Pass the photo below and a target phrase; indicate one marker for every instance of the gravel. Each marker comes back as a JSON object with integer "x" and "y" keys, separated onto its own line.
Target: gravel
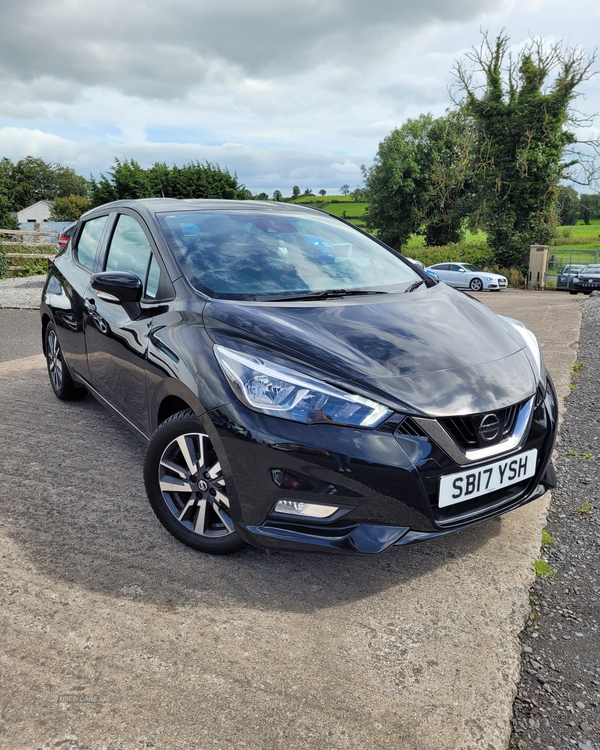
{"x": 558, "y": 696}
{"x": 24, "y": 294}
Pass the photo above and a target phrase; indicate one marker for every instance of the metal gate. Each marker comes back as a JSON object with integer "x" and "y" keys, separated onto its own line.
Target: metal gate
{"x": 559, "y": 257}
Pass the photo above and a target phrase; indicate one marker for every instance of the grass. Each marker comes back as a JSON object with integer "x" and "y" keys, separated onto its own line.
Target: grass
{"x": 547, "y": 539}
{"x": 577, "y": 368}
{"x": 542, "y": 568}
{"x": 585, "y": 509}
{"x": 584, "y": 456}
{"x": 352, "y": 209}
{"x": 316, "y": 198}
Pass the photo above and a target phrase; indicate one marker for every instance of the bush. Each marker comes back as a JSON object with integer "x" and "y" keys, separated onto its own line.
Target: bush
{"x": 33, "y": 267}
{"x": 515, "y": 276}
{"x": 478, "y": 253}
{"x": 3, "y": 263}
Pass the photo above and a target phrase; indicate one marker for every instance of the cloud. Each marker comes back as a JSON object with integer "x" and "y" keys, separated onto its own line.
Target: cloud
{"x": 158, "y": 50}
{"x": 257, "y": 168}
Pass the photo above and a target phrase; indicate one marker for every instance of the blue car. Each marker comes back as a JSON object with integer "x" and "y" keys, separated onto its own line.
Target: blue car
{"x": 565, "y": 275}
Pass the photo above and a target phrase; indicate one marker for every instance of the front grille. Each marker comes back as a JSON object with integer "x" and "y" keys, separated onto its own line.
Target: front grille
{"x": 466, "y": 430}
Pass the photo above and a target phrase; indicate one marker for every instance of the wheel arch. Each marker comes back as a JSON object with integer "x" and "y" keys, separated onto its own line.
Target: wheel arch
{"x": 171, "y": 397}
{"x": 45, "y": 321}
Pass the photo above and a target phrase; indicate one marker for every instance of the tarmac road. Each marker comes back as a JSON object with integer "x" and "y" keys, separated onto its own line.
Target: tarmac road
{"x": 114, "y": 635}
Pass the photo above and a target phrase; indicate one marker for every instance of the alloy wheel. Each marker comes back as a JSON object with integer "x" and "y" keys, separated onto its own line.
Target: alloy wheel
{"x": 55, "y": 366}
{"x": 192, "y": 486}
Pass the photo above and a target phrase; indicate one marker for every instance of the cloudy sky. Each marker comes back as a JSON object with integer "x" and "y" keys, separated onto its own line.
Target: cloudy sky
{"x": 283, "y": 92}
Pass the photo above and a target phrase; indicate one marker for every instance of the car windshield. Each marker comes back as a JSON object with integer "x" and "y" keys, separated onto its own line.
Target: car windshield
{"x": 572, "y": 269}
{"x": 592, "y": 268}
{"x": 471, "y": 267}
{"x": 241, "y": 254}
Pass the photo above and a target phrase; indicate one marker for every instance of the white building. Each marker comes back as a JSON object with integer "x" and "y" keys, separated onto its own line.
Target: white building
{"x": 35, "y": 214}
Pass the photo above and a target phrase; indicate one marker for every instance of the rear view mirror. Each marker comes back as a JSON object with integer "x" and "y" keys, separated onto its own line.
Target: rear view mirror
{"x": 119, "y": 288}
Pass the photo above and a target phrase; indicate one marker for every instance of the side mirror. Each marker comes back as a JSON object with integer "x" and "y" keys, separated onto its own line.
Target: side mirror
{"x": 120, "y": 288}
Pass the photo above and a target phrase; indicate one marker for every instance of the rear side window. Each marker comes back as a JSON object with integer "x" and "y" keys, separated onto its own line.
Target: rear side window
{"x": 89, "y": 240}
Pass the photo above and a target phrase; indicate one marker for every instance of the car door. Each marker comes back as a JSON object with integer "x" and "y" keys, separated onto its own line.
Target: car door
{"x": 441, "y": 270}
{"x": 65, "y": 293}
{"x": 117, "y": 344}
{"x": 457, "y": 276}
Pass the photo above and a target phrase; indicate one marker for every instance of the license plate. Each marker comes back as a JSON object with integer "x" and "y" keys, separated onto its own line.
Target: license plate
{"x": 466, "y": 485}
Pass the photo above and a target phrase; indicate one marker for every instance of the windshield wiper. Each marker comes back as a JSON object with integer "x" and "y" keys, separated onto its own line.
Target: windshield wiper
{"x": 327, "y": 294}
{"x": 413, "y": 286}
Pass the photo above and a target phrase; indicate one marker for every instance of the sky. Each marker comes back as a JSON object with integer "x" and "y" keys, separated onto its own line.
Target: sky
{"x": 281, "y": 92}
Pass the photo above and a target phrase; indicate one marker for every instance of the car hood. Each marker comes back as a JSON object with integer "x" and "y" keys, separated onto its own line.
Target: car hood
{"x": 435, "y": 351}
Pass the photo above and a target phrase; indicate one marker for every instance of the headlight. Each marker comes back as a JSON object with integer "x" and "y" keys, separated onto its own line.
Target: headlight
{"x": 532, "y": 344}
{"x": 490, "y": 278}
{"x": 280, "y": 392}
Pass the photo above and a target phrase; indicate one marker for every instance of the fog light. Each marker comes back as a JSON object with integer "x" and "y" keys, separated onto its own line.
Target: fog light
{"x": 310, "y": 510}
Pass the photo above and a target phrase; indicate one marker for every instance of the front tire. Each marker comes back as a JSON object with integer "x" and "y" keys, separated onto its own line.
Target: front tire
{"x": 60, "y": 378}
{"x": 476, "y": 285}
{"x": 186, "y": 488}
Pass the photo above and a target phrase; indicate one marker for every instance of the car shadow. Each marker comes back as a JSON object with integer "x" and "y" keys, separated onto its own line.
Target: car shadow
{"x": 73, "y": 501}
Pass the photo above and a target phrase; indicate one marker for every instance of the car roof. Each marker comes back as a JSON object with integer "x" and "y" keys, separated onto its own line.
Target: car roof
{"x": 158, "y": 205}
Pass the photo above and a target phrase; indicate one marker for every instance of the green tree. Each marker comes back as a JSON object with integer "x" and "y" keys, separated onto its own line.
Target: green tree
{"x": 277, "y": 196}
{"x": 69, "y": 208}
{"x": 345, "y": 190}
{"x": 421, "y": 181}
{"x": 128, "y": 180}
{"x": 567, "y": 204}
{"x": 32, "y": 179}
{"x": 323, "y": 193}
{"x": 522, "y": 123}
{"x": 261, "y": 197}
{"x": 6, "y": 220}
{"x": 589, "y": 207}
{"x": 295, "y": 191}
{"x": 308, "y": 191}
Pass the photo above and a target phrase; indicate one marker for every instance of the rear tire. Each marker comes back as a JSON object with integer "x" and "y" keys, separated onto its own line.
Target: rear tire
{"x": 60, "y": 378}
{"x": 186, "y": 488}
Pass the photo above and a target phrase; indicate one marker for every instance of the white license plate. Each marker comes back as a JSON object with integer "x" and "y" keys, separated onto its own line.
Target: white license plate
{"x": 466, "y": 485}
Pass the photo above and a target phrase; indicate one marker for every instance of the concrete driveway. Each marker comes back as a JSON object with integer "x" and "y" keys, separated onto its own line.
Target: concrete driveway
{"x": 113, "y": 635}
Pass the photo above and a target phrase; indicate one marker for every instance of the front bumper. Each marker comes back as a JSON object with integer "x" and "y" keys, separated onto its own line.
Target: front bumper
{"x": 385, "y": 482}
{"x": 587, "y": 287}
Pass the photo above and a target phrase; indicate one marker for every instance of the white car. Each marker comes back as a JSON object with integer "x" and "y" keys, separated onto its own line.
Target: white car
{"x": 468, "y": 276}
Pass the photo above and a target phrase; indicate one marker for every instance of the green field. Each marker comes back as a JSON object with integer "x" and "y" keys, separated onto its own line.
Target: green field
{"x": 353, "y": 210}
{"x": 317, "y": 199}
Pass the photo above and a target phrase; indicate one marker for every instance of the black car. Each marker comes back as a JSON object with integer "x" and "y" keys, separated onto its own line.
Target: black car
{"x": 291, "y": 399}
{"x": 587, "y": 281}
{"x": 65, "y": 235}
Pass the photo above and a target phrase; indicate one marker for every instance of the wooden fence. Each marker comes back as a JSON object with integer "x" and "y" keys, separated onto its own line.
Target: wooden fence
{"x": 28, "y": 244}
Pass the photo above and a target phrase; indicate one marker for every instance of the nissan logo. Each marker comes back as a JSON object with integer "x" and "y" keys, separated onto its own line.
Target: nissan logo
{"x": 489, "y": 428}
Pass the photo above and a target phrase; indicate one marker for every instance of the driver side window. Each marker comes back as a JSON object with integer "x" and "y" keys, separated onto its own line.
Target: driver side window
{"x": 130, "y": 251}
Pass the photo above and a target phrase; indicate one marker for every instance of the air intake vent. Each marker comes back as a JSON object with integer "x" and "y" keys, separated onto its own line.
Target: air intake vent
{"x": 410, "y": 428}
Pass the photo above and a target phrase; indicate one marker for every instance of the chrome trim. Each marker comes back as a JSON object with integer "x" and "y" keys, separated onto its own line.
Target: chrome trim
{"x": 444, "y": 439}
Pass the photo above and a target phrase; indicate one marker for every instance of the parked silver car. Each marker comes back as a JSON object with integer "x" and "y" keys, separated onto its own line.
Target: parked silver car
{"x": 468, "y": 276}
